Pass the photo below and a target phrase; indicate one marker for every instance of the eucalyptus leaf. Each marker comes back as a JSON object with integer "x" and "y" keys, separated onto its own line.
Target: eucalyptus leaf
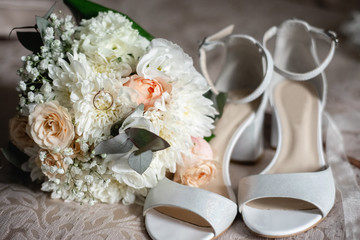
{"x": 145, "y": 140}
{"x": 30, "y": 40}
{"x": 13, "y": 155}
{"x": 83, "y": 9}
{"x": 140, "y": 161}
{"x": 118, "y": 144}
{"x": 50, "y": 11}
{"x": 42, "y": 24}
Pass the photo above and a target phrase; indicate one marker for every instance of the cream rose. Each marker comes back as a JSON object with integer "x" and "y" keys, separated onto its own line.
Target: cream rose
{"x": 199, "y": 168}
{"x": 50, "y": 126}
{"x": 18, "y": 135}
{"x": 148, "y": 90}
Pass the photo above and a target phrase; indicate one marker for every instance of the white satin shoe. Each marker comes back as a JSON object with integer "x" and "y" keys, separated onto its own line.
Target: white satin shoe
{"x": 174, "y": 211}
{"x": 296, "y": 190}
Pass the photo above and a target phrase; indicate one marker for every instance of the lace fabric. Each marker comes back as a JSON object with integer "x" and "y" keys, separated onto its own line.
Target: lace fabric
{"x": 28, "y": 214}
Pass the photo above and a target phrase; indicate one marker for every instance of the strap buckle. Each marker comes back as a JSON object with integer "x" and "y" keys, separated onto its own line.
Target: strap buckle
{"x": 259, "y": 46}
{"x": 333, "y": 36}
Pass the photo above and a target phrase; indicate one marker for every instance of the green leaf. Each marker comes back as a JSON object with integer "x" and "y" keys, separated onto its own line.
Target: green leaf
{"x": 209, "y": 94}
{"x": 118, "y": 144}
{"x": 50, "y": 11}
{"x": 30, "y": 40}
{"x": 83, "y": 9}
{"x": 140, "y": 161}
{"x": 208, "y": 139}
{"x": 13, "y": 155}
{"x": 219, "y": 101}
{"x": 42, "y": 24}
{"x": 146, "y": 140}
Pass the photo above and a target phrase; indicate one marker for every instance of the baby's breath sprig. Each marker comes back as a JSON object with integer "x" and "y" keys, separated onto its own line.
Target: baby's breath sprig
{"x": 35, "y": 84}
{"x": 80, "y": 178}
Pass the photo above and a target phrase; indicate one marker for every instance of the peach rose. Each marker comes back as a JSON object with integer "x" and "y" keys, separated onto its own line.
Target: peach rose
{"x": 149, "y": 90}
{"x": 202, "y": 149}
{"x": 18, "y": 135}
{"x": 50, "y": 126}
{"x": 199, "y": 174}
{"x": 52, "y": 160}
{"x": 198, "y": 169}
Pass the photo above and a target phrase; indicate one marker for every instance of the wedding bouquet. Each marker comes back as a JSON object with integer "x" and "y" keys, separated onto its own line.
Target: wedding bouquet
{"x": 106, "y": 110}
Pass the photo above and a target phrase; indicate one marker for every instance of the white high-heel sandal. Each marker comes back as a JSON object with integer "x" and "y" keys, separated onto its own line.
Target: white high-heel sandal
{"x": 296, "y": 190}
{"x": 175, "y": 211}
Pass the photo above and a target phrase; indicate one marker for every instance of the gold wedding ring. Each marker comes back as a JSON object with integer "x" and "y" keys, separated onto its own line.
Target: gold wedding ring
{"x": 103, "y": 100}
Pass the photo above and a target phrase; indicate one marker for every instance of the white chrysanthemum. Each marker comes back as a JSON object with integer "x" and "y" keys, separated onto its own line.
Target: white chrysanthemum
{"x": 111, "y": 44}
{"x": 97, "y": 100}
{"x": 70, "y": 80}
{"x": 104, "y": 104}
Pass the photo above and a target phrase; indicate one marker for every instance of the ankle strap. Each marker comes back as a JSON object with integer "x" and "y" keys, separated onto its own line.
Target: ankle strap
{"x": 209, "y": 43}
{"x": 326, "y": 35}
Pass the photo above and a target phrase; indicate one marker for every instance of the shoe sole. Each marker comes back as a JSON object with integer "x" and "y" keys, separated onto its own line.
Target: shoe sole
{"x": 288, "y": 235}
